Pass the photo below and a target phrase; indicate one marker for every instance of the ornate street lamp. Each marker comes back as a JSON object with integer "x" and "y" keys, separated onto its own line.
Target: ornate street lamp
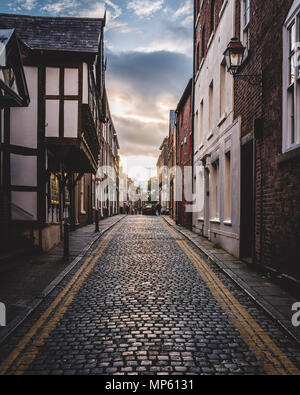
{"x": 234, "y": 55}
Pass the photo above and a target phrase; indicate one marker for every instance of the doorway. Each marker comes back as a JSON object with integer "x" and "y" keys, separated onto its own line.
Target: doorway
{"x": 247, "y": 202}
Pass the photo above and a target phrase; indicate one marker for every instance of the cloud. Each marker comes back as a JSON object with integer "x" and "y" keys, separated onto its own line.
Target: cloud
{"x": 186, "y": 8}
{"x": 145, "y": 8}
{"x": 113, "y": 12}
{"x": 171, "y": 37}
{"x": 142, "y": 89}
{"x": 60, "y": 6}
{"x": 20, "y": 5}
{"x": 180, "y": 45}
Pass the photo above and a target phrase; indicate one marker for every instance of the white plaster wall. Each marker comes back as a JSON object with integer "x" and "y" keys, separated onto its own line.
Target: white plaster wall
{"x": 26, "y": 201}
{"x": 71, "y": 118}
{"x": 225, "y": 135}
{"x": 24, "y": 120}
{"x": 209, "y": 72}
{"x": 85, "y": 86}
{"x": 52, "y": 118}
{"x": 23, "y": 170}
{"x": 71, "y": 82}
{"x": 52, "y": 81}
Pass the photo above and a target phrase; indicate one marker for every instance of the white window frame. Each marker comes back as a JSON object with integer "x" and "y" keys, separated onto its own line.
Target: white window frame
{"x": 291, "y": 90}
{"x": 245, "y": 32}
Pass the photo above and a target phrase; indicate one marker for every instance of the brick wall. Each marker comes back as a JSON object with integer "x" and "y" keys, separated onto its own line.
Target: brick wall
{"x": 184, "y": 148}
{"x": 277, "y": 192}
{"x": 204, "y": 29}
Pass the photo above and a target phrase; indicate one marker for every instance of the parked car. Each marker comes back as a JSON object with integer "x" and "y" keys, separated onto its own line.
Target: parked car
{"x": 149, "y": 209}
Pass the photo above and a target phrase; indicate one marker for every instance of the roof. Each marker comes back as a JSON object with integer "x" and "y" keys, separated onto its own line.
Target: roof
{"x": 56, "y": 33}
{"x": 5, "y": 36}
{"x": 186, "y": 94}
{"x": 165, "y": 141}
{"x": 13, "y": 87}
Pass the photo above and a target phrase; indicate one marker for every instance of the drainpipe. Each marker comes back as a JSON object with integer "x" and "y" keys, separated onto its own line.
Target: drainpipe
{"x": 193, "y": 114}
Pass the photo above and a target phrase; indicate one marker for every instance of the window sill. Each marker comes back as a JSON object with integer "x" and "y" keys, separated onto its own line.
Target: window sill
{"x": 209, "y": 136}
{"x": 293, "y": 154}
{"x": 197, "y": 20}
{"x": 215, "y": 221}
{"x": 222, "y": 119}
{"x": 201, "y": 64}
{"x": 210, "y": 39}
{"x": 82, "y": 212}
{"x": 201, "y": 219}
{"x": 223, "y": 8}
{"x": 227, "y": 222}
{"x": 197, "y": 75}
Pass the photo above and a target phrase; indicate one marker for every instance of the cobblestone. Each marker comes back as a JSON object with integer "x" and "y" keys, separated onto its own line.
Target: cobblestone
{"x": 144, "y": 309}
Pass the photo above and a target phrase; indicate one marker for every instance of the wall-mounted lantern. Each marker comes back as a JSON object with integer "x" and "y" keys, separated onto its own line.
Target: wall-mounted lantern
{"x": 234, "y": 58}
{"x": 234, "y": 55}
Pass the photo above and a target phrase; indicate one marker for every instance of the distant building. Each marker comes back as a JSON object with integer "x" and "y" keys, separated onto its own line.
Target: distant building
{"x": 184, "y": 160}
{"x": 163, "y": 163}
{"x": 109, "y": 156}
{"x": 172, "y": 163}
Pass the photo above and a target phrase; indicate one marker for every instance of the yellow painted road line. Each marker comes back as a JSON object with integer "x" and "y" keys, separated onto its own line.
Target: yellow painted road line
{"x": 272, "y": 358}
{"x": 68, "y": 293}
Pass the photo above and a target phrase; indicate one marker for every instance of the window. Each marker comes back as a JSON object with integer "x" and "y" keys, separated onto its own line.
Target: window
{"x": 201, "y": 123}
{"x": 212, "y": 16}
{"x": 227, "y": 208}
{"x": 215, "y": 203}
{"x": 223, "y": 74}
{"x": 291, "y": 79}
{"x": 203, "y": 43}
{"x": 198, "y": 57}
{"x": 245, "y": 20}
{"x": 54, "y": 190}
{"x": 82, "y": 195}
{"x": 197, "y": 7}
{"x": 196, "y": 131}
{"x": 211, "y": 107}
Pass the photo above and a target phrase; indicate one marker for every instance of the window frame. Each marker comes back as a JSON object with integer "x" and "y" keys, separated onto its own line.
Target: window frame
{"x": 291, "y": 86}
{"x": 245, "y": 31}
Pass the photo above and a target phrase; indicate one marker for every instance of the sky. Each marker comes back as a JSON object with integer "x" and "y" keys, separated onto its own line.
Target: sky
{"x": 148, "y": 44}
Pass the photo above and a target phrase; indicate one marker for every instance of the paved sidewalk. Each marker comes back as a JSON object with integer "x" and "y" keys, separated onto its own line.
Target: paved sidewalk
{"x": 272, "y": 298}
{"x": 25, "y": 281}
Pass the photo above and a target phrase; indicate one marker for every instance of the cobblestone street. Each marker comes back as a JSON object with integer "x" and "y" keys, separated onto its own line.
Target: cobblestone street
{"x": 145, "y": 301}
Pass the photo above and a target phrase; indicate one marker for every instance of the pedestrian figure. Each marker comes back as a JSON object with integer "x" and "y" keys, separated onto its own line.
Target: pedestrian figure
{"x": 158, "y": 207}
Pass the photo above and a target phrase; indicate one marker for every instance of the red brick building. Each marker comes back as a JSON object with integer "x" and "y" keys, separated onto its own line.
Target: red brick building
{"x": 184, "y": 144}
{"x": 270, "y": 133}
{"x": 172, "y": 163}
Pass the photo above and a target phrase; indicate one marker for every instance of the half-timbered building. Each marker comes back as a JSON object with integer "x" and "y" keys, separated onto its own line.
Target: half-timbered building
{"x": 52, "y": 92}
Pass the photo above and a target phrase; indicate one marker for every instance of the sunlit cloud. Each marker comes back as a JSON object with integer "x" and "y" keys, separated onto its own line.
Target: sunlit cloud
{"x": 143, "y": 88}
{"x": 148, "y": 44}
{"x": 181, "y": 45}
